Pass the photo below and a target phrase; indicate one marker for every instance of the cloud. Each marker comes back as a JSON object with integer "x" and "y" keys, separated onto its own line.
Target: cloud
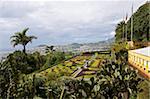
{"x": 112, "y": 33}
{"x": 62, "y": 21}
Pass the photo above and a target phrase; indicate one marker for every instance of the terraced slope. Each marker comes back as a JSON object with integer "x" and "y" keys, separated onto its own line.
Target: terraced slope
{"x": 78, "y": 67}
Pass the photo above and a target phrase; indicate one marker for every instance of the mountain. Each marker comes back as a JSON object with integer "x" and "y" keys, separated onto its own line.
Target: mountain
{"x": 101, "y": 45}
{"x": 76, "y": 47}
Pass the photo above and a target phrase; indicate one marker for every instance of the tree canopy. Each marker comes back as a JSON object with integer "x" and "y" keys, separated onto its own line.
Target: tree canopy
{"x": 22, "y": 39}
{"x": 141, "y": 25}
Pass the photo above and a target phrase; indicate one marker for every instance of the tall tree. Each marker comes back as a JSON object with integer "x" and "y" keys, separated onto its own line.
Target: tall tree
{"x": 22, "y": 39}
{"x": 120, "y": 31}
{"x": 140, "y": 22}
{"x": 49, "y": 48}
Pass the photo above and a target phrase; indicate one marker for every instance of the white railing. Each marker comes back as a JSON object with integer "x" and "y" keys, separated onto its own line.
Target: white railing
{"x": 141, "y": 62}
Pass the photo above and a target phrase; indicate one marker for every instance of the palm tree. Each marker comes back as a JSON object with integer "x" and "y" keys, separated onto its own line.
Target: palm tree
{"x": 22, "y": 39}
{"x": 49, "y": 48}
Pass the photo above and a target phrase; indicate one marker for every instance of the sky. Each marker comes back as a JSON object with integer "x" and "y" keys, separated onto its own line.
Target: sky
{"x": 59, "y": 22}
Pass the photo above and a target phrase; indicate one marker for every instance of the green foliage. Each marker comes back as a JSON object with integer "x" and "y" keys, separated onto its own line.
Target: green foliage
{"x": 145, "y": 85}
{"x": 81, "y": 89}
{"x": 29, "y": 86}
{"x": 49, "y": 49}
{"x": 39, "y": 59}
{"x": 118, "y": 80}
{"x": 120, "y": 28}
{"x": 119, "y": 52}
{"x": 140, "y": 25}
{"x": 22, "y": 39}
{"x": 25, "y": 63}
{"x": 112, "y": 81}
{"x": 18, "y": 78}
{"x": 54, "y": 89}
{"x": 8, "y": 80}
{"x": 54, "y": 58}
{"x": 13, "y": 67}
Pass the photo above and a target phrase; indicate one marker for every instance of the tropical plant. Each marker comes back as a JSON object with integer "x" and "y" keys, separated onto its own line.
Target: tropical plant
{"x": 81, "y": 89}
{"x": 8, "y": 80}
{"x": 120, "y": 52}
{"x": 54, "y": 89}
{"x": 22, "y": 38}
{"x": 49, "y": 49}
{"x": 120, "y": 31}
{"x": 54, "y": 58}
{"x": 118, "y": 80}
{"x": 25, "y": 63}
{"x": 141, "y": 25}
{"x": 39, "y": 59}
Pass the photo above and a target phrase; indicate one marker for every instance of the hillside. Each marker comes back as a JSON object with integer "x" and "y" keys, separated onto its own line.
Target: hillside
{"x": 75, "y": 47}
{"x": 140, "y": 25}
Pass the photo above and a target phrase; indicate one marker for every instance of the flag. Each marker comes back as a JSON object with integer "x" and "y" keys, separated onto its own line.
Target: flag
{"x": 126, "y": 17}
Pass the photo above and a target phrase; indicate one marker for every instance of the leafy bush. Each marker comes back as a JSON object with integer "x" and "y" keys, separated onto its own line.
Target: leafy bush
{"x": 118, "y": 80}
{"x": 25, "y": 63}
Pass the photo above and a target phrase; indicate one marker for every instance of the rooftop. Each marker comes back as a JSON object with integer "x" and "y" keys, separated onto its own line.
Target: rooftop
{"x": 144, "y": 51}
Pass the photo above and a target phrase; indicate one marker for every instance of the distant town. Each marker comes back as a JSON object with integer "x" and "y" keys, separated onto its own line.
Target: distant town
{"x": 76, "y": 47}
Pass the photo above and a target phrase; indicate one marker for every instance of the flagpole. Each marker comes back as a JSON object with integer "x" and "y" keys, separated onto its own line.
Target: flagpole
{"x": 123, "y": 30}
{"x": 126, "y": 26}
{"x": 126, "y": 32}
{"x": 132, "y": 24}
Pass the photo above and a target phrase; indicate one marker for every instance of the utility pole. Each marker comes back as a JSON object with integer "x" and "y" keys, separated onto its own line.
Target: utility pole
{"x": 132, "y": 24}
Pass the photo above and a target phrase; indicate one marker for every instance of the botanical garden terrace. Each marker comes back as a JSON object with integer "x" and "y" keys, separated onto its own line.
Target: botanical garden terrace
{"x": 140, "y": 59}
